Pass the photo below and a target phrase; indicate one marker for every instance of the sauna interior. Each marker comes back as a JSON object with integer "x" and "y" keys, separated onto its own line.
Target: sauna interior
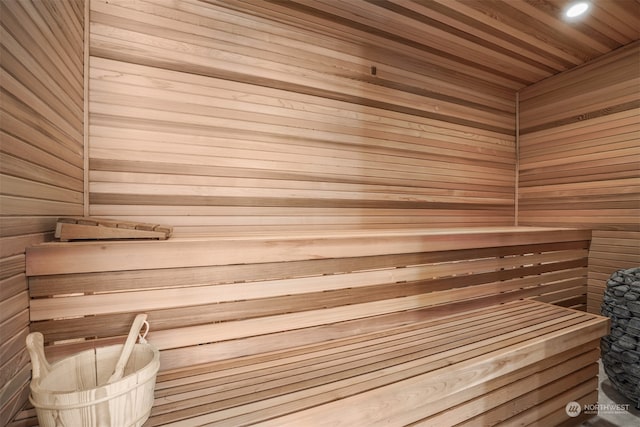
{"x": 487, "y": 149}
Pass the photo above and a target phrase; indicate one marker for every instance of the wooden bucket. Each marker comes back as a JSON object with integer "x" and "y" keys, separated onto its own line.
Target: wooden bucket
{"x": 75, "y": 391}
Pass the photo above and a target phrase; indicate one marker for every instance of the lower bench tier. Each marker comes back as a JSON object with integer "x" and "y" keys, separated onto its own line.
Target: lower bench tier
{"x": 514, "y": 364}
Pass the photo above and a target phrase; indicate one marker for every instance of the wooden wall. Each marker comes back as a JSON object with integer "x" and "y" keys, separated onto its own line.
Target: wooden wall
{"x": 610, "y": 251}
{"x": 214, "y": 119}
{"x": 580, "y": 159}
{"x": 41, "y": 159}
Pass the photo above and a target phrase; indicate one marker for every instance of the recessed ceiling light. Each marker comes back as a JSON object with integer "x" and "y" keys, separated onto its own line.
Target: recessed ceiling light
{"x": 577, "y": 9}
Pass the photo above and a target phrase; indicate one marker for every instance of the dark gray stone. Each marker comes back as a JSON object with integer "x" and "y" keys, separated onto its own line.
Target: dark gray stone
{"x": 617, "y": 332}
{"x": 616, "y": 350}
{"x": 628, "y": 342}
{"x": 630, "y": 357}
{"x": 634, "y": 306}
{"x": 621, "y": 348}
{"x": 633, "y": 370}
{"x": 621, "y": 312}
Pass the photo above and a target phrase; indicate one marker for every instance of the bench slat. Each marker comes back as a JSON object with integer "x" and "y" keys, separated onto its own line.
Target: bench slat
{"x": 502, "y": 394}
{"x": 45, "y": 308}
{"x": 118, "y": 324}
{"x": 522, "y": 330}
{"x": 42, "y": 286}
{"x": 60, "y": 258}
{"x": 399, "y": 397}
{"x": 443, "y": 321}
{"x": 386, "y": 349}
{"x": 533, "y": 412}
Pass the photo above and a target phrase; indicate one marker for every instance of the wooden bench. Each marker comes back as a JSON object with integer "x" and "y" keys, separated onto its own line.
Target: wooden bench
{"x": 420, "y": 327}
{"x": 520, "y": 362}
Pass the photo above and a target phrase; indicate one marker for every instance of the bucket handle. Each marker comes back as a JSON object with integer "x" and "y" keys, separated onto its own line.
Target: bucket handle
{"x": 39, "y": 365}
{"x": 138, "y": 322}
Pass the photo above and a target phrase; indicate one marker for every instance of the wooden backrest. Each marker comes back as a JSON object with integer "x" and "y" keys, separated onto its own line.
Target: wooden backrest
{"x": 218, "y": 297}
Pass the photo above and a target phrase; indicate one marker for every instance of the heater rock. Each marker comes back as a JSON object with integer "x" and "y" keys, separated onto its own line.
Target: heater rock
{"x": 621, "y": 348}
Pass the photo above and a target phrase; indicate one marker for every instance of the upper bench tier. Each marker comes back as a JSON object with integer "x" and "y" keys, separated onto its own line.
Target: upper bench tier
{"x": 85, "y": 257}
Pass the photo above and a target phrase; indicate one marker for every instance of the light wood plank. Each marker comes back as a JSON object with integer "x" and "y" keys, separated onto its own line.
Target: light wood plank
{"x": 52, "y": 259}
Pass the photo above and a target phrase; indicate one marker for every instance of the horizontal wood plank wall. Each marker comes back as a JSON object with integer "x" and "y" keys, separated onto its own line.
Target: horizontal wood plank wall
{"x": 610, "y": 251}
{"x": 580, "y": 158}
{"x": 214, "y": 298}
{"x": 212, "y": 119}
{"x": 41, "y": 157}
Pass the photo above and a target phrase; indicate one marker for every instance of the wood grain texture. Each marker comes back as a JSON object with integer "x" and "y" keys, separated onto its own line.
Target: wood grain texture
{"x": 213, "y": 118}
{"x": 268, "y": 116}
{"x": 218, "y": 297}
{"x": 579, "y": 147}
{"x": 433, "y": 365}
{"x": 41, "y": 46}
{"x": 580, "y": 159}
{"x": 610, "y": 251}
{"x": 475, "y": 38}
{"x": 61, "y": 258}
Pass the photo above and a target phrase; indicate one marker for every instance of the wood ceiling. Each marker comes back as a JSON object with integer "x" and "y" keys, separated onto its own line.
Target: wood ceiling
{"x": 513, "y": 43}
